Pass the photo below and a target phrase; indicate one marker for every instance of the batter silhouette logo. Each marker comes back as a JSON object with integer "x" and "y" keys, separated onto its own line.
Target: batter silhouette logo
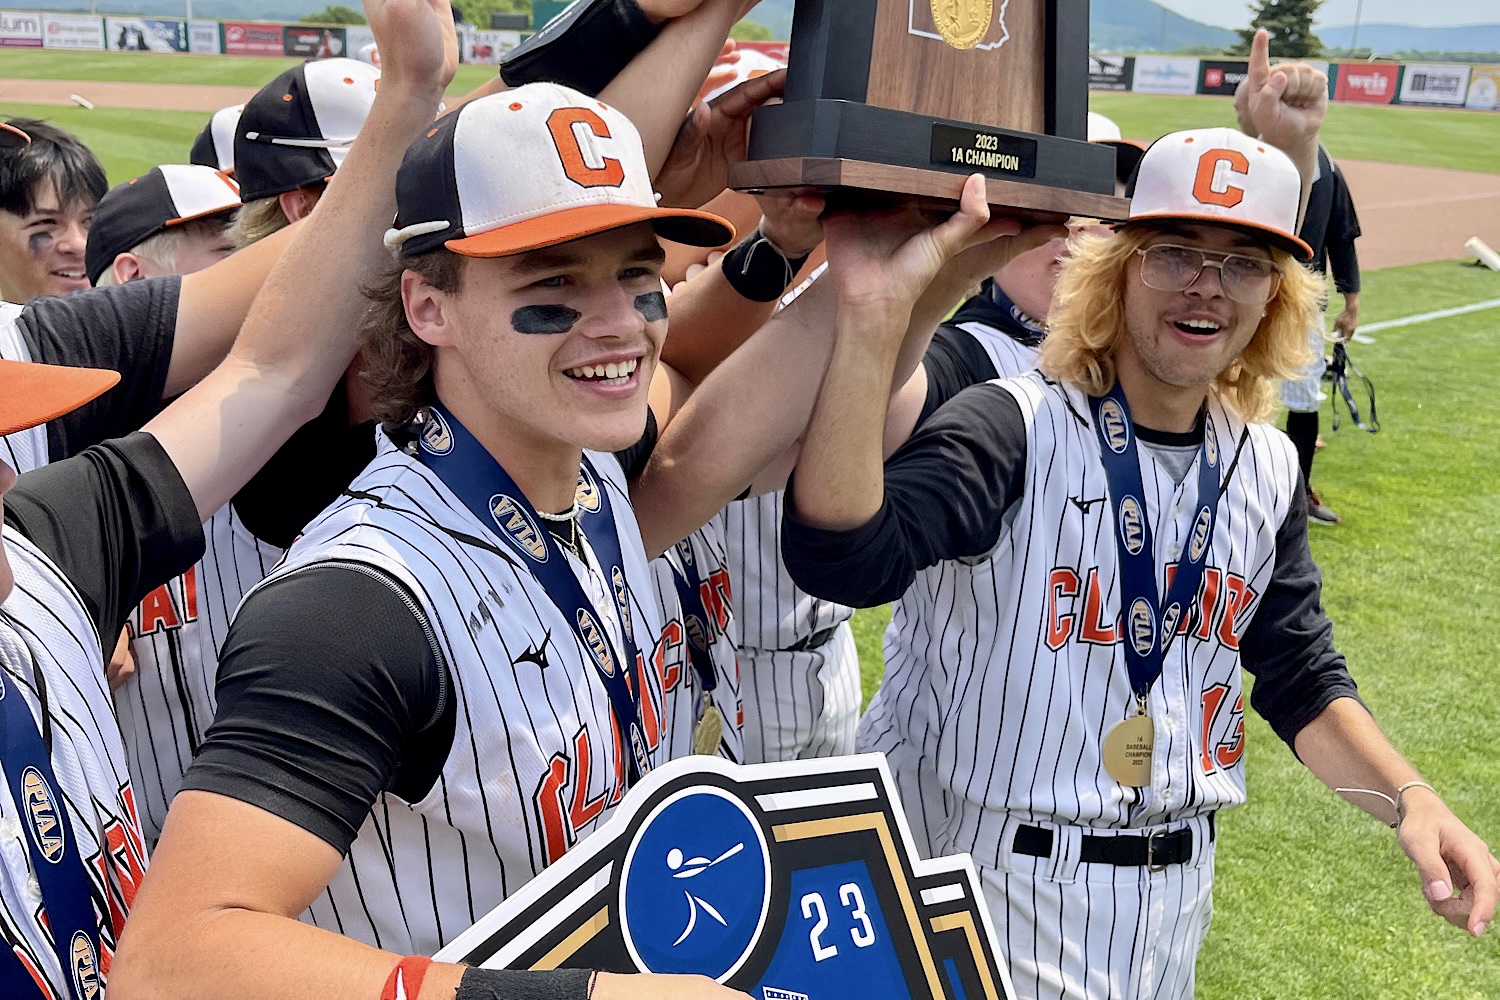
{"x": 696, "y": 886}
{"x": 787, "y": 881}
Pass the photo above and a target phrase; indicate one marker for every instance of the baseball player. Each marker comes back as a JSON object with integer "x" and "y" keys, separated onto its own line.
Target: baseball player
{"x": 1103, "y": 547}
{"x": 173, "y": 219}
{"x": 49, "y": 183}
{"x": 86, "y": 537}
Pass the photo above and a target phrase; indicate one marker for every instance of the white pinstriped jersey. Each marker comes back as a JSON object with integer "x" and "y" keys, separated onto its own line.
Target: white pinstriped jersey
{"x": 46, "y": 629}
{"x": 23, "y": 450}
{"x": 683, "y": 694}
{"x": 534, "y": 764}
{"x": 773, "y": 612}
{"x": 1006, "y": 671}
{"x": 167, "y": 705}
{"x": 1009, "y": 356}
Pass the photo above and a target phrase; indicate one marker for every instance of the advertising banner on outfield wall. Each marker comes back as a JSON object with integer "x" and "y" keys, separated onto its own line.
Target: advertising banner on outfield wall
{"x": 1111, "y": 72}
{"x": 72, "y": 31}
{"x": 1484, "y": 88}
{"x": 20, "y": 31}
{"x": 1165, "y": 75}
{"x": 1434, "y": 83}
{"x": 313, "y": 43}
{"x": 144, "y": 34}
{"x": 243, "y": 38}
{"x": 203, "y": 37}
{"x": 486, "y": 47}
{"x": 1220, "y": 76}
{"x": 1366, "y": 83}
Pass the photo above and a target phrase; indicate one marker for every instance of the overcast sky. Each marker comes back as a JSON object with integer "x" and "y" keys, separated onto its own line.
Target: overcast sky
{"x": 1236, "y": 13}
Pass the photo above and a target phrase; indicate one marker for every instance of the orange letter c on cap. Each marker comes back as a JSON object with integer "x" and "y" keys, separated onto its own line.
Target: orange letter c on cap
{"x": 561, "y": 123}
{"x": 1205, "y": 186}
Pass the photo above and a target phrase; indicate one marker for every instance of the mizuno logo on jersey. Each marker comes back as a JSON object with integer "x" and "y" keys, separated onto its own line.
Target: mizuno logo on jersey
{"x": 41, "y": 811}
{"x": 536, "y": 653}
{"x": 1076, "y": 610}
{"x": 1084, "y": 505}
{"x": 518, "y": 526}
{"x": 1116, "y": 427}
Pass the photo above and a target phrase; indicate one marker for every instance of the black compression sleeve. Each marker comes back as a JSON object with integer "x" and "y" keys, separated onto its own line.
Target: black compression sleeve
{"x": 1288, "y": 645}
{"x": 117, "y": 519}
{"x": 128, "y": 328}
{"x": 954, "y": 361}
{"x": 633, "y": 459}
{"x": 946, "y": 493}
{"x": 329, "y": 694}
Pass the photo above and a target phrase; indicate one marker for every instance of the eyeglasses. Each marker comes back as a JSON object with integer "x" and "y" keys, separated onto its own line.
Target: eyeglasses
{"x": 1168, "y": 267}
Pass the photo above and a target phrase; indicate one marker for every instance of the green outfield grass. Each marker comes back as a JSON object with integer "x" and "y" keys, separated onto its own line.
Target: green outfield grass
{"x": 1311, "y": 901}
{"x": 128, "y": 141}
{"x": 141, "y": 67}
{"x": 1429, "y": 137}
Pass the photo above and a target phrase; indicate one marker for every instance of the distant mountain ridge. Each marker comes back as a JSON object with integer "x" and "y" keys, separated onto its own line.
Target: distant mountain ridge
{"x": 1402, "y": 37}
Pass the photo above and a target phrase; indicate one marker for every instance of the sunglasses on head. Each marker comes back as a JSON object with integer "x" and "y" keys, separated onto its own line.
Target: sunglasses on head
{"x": 12, "y": 137}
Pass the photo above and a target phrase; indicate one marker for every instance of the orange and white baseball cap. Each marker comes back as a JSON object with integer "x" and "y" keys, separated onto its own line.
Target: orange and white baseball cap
{"x": 32, "y": 394}
{"x": 529, "y": 168}
{"x": 1221, "y": 176}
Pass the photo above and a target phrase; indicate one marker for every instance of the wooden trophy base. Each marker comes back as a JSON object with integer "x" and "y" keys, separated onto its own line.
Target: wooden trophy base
{"x": 847, "y": 144}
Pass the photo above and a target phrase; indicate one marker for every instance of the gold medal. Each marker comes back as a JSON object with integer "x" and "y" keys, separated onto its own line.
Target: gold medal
{"x": 1127, "y": 750}
{"x": 710, "y": 728}
{"x": 963, "y": 23}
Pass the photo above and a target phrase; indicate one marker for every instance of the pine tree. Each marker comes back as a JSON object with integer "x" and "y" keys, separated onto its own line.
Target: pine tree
{"x": 1290, "y": 25}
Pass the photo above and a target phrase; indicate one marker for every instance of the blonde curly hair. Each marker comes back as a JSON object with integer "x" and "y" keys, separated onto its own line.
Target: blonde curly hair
{"x": 1087, "y": 319}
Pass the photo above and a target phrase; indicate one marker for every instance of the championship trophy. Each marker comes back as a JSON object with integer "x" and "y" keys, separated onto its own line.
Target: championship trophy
{"x": 911, "y": 96}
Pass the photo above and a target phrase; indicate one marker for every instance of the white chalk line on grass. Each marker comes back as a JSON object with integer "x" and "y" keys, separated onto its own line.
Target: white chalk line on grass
{"x": 1427, "y": 317}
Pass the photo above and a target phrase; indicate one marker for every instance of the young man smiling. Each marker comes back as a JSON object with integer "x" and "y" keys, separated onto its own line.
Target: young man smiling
{"x": 49, "y": 184}
{"x": 1101, "y": 547}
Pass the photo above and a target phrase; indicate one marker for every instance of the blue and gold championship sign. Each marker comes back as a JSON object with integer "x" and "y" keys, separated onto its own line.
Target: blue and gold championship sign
{"x": 793, "y": 881}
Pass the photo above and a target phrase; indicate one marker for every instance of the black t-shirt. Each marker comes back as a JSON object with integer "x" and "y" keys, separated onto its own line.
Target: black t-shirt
{"x": 956, "y": 360}
{"x": 334, "y": 658}
{"x": 116, "y": 519}
{"x": 129, "y": 329}
{"x": 947, "y": 491}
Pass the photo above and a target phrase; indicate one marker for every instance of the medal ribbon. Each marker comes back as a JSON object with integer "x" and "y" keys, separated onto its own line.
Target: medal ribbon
{"x": 1149, "y": 630}
{"x": 690, "y": 596}
{"x": 466, "y": 468}
{"x": 55, "y": 860}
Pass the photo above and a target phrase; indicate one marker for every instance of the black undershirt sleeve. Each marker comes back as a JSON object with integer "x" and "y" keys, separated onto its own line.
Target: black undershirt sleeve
{"x": 127, "y": 328}
{"x": 633, "y": 459}
{"x": 116, "y": 518}
{"x": 329, "y": 693}
{"x": 954, "y": 361}
{"x": 946, "y": 493}
{"x": 1288, "y": 645}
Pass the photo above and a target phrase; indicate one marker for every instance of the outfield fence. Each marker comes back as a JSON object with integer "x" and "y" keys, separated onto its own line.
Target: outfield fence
{"x": 1451, "y": 85}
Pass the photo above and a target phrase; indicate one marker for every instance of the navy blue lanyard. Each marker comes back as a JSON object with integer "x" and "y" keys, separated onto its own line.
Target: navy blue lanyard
{"x": 463, "y": 464}
{"x": 54, "y": 853}
{"x": 695, "y": 620}
{"x": 1148, "y": 630}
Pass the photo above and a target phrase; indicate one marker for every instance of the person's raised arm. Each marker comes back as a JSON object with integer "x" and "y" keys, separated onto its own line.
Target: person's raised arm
{"x": 1284, "y": 105}
{"x": 300, "y": 333}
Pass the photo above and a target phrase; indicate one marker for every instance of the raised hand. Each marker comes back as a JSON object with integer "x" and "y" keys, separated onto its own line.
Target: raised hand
{"x": 1285, "y": 104}
{"x": 714, "y": 135}
{"x": 417, "y": 40}
{"x": 881, "y": 261}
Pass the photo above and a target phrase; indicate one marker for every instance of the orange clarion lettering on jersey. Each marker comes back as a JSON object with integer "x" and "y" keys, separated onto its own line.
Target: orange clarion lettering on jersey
{"x": 1220, "y": 611}
{"x": 1212, "y": 187}
{"x": 164, "y": 609}
{"x": 1217, "y": 752}
{"x": 569, "y": 127}
{"x": 1061, "y": 583}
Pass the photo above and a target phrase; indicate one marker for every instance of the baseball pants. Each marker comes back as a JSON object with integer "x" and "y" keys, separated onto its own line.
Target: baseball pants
{"x": 801, "y": 704}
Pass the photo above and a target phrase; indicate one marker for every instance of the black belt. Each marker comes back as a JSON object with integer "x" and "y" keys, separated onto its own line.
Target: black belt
{"x": 813, "y": 641}
{"x": 1155, "y": 850}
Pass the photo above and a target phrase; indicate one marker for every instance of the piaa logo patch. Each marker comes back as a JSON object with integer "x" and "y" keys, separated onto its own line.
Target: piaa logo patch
{"x": 518, "y": 526}
{"x": 437, "y": 438}
{"x": 1116, "y": 427}
{"x": 41, "y": 812}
